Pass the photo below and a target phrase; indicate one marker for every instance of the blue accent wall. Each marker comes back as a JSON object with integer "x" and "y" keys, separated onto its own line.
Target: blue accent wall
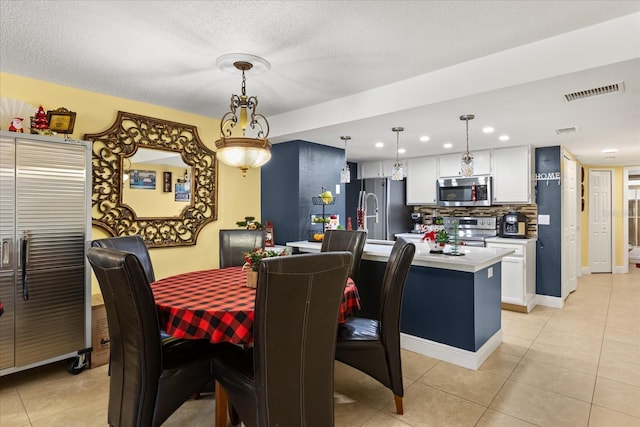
{"x": 549, "y": 243}
{"x": 297, "y": 172}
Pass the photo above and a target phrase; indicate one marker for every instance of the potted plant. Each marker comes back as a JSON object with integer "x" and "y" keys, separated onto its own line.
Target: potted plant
{"x": 442, "y": 238}
{"x": 252, "y": 262}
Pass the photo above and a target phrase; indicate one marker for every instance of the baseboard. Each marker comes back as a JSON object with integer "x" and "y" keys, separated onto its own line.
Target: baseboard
{"x": 548, "y": 301}
{"x": 447, "y": 353}
{"x": 586, "y": 270}
{"x": 619, "y": 269}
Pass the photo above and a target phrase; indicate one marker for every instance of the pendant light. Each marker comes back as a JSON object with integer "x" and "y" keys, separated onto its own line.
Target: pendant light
{"x": 242, "y": 150}
{"x": 345, "y": 173}
{"x": 466, "y": 163}
{"x": 397, "y": 173}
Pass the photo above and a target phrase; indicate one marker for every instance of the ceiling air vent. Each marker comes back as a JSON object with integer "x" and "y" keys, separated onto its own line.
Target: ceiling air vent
{"x": 565, "y": 131}
{"x": 589, "y": 93}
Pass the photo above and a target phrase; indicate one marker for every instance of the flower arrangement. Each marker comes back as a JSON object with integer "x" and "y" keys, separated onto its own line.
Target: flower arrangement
{"x": 252, "y": 259}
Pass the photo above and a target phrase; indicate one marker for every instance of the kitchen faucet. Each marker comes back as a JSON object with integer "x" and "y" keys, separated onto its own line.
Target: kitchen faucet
{"x": 362, "y": 209}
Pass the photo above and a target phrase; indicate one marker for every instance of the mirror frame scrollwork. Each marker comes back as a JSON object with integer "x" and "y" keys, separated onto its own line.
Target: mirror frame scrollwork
{"x": 128, "y": 133}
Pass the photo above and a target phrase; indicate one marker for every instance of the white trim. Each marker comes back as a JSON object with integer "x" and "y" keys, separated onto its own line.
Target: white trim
{"x": 621, "y": 269}
{"x": 549, "y": 301}
{"x": 586, "y": 270}
{"x": 457, "y": 356}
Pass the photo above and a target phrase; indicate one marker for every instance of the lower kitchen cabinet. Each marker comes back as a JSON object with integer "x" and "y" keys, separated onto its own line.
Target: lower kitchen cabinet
{"x": 518, "y": 273}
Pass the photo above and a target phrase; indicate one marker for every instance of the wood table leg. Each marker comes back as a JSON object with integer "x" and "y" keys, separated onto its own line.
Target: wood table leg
{"x": 221, "y": 406}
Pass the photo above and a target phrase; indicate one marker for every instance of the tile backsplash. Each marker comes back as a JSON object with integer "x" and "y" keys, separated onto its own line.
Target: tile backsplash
{"x": 531, "y": 211}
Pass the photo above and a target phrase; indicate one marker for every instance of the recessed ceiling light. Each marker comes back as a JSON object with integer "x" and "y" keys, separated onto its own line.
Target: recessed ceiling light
{"x": 488, "y": 129}
{"x": 379, "y": 144}
{"x": 402, "y": 151}
{"x": 447, "y": 145}
{"x": 609, "y": 150}
{"x": 503, "y": 137}
{"x": 424, "y": 138}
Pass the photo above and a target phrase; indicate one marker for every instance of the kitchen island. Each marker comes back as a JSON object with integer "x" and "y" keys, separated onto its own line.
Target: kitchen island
{"x": 451, "y": 304}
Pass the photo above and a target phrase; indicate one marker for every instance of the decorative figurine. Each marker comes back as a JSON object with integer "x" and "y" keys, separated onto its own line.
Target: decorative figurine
{"x": 16, "y": 125}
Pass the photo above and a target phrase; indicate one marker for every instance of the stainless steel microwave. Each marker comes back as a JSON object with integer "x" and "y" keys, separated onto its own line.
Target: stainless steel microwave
{"x": 471, "y": 191}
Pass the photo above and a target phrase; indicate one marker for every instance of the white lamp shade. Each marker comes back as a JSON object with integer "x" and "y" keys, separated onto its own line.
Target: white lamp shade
{"x": 243, "y": 153}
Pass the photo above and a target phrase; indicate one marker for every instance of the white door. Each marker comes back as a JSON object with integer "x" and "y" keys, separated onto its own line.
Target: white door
{"x": 600, "y": 221}
{"x": 569, "y": 227}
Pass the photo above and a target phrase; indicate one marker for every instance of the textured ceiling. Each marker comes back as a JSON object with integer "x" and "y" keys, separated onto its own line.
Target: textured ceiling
{"x": 356, "y": 68}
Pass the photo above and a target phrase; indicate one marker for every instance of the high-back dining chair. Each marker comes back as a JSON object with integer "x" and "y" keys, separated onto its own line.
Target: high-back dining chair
{"x": 148, "y": 380}
{"x": 234, "y": 243}
{"x": 373, "y": 346}
{"x": 346, "y": 240}
{"x": 133, "y": 244}
{"x": 286, "y": 379}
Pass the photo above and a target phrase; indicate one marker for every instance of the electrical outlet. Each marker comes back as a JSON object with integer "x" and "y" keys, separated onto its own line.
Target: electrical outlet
{"x": 490, "y": 272}
{"x": 337, "y": 188}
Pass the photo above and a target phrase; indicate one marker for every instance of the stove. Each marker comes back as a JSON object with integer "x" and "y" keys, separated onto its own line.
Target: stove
{"x": 472, "y": 231}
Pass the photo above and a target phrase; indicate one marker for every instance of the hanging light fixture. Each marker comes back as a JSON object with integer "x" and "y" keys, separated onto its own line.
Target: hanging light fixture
{"x": 345, "y": 173}
{"x": 243, "y": 139}
{"x": 397, "y": 173}
{"x": 466, "y": 163}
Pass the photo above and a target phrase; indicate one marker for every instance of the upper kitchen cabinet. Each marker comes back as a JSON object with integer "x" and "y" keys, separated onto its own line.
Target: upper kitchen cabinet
{"x": 376, "y": 169}
{"x": 421, "y": 180}
{"x": 511, "y": 170}
{"x": 450, "y": 163}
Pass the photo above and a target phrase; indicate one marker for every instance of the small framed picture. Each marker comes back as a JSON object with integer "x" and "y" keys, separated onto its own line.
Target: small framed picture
{"x": 183, "y": 192}
{"x": 61, "y": 120}
{"x": 166, "y": 182}
{"x": 141, "y": 179}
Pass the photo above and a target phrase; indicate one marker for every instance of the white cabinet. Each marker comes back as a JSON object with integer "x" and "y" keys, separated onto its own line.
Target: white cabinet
{"x": 422, "y": 173}
{"x": 518, "y": 272}
{"x": 376, "y": 169}
{"x": 512, "y": 178}
{"x": 450, "y": 163}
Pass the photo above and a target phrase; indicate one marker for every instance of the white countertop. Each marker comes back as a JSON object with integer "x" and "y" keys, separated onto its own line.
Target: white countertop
{"x": 512, "y": 240}
{"x": 474, "y": 259}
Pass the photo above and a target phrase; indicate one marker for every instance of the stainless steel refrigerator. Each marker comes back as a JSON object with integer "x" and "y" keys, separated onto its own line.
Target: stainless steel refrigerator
{"x": 384, "y": 199}
{"x": 45, "y": 224}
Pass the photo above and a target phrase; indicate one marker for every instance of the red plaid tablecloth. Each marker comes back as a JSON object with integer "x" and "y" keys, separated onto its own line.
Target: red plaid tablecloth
{"x": 216, "y": 305}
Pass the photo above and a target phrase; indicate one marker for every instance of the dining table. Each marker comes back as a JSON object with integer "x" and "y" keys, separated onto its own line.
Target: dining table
{"x": 217, "y": 305}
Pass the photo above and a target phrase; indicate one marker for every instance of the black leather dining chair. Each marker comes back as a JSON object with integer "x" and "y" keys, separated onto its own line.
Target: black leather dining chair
{"x": 234, "y": 243}
{"x": 346, "y": 240}
{"x": 373, "y": 346}
{"x": 148, "y": 380}
{"x": 133, "y": 244}
{"x": 286, "y": 379}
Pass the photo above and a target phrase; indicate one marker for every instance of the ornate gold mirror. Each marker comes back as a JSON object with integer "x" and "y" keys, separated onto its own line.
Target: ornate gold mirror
{"x": 154, "y": 178}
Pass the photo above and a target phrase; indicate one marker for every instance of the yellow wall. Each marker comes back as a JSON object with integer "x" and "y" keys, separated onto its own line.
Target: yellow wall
{"x": 617, "y": 218}
{"x": 238, "y": 197}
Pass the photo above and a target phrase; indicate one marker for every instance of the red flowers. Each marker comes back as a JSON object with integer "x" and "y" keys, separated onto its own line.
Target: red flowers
{"x": 252, "y": 259}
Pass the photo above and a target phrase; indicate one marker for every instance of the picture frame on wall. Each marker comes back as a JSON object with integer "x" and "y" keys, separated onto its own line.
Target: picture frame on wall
{"x": 61, "y": 120}
{"x": 142, "y": 179}
{"x": 183, "y": 192}
{"x": 166, "y": 182}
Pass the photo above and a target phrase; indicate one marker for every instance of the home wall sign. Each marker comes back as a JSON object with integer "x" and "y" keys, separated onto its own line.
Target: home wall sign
{"x": 128, "y": 133}
{"x": 548, "y": 176}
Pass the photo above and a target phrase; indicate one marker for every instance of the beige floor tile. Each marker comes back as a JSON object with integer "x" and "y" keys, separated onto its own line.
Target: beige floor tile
{"x": 542, "y": 312}
{"x": 493, "y": 418}
{"x": 559, "y": 356}
{"x": 624, "y": 321}
{"x": 522, "y": 325}
{"x": 12, "y": 412}
{"x": 361, "y": 387}
{"x": 619, "y": 370}
{"x": 625, "y": 336}
{"x": 90, "y": 414}
{"x": 515, "y": 345}
{"x": 617, "y": 396}
{"x": 383, "y": 420}
{"x": 577, "y": 323}
{"x": 563, "y": 381}
{"x": 500, "y": 363}
{"x": 569, "y": 340}
{"x": 63, "y": 392}
{"x": 352, "y": 414}
{"x": 603, "y": 417}
{"x": 194, "y": 413}
{"x": 621, "y": 351}
{"x": 415, "y": 365}
{"x": 476, "y": 386}
{"x": 426, "y": 406}
{"x": 540, "y": 407}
